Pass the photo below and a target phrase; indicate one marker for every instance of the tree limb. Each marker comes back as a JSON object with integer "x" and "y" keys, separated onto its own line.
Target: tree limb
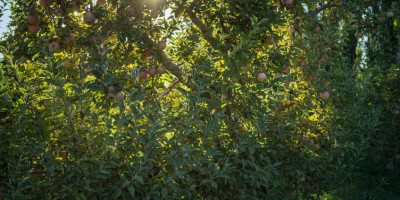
{"x": 203, "y": 28}
{"x": 168, "y": 90}
{"x": 328, "y": 5}
{"x": 172, "y": 67}
{"x": 168, "y": 64}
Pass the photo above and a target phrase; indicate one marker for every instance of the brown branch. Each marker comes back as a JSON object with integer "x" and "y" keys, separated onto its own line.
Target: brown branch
{"x": 172, "y": 67}
{"x": 168, "y": 90}
{"x": 328, "y": 5}
{"x": 203, "y": 28}
{"x": 168, "y": 64}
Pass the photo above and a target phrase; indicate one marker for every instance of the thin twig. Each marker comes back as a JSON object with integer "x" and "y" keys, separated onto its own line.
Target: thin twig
{"x": 168, "y": 90}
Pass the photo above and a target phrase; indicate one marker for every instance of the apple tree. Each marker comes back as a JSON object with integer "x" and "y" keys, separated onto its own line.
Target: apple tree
{"x": 201, "y": 99}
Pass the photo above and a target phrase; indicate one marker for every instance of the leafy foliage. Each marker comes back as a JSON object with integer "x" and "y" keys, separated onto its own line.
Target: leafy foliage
{"x": 84, "y": 117}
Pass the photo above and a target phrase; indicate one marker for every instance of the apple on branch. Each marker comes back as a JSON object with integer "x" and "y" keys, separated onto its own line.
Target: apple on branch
{"x": 325, "y": 95}
{"x": 143, "y": 75}
{"x": 32, "y": 19}
{"x": 152, "y": 72}
{"x": 33, "y": 29}
{"x": 286, "y": 69}
{"x": 318, "y": 29}
{"x": 44, "y": 3}
{"x": 131, "y": 11}
{"x": 261, "y": 77}
{"x": 119, "y": 98}
{"x": 54, "y": 46}
{"x": 111, "y": 89}
{"x": 89, "y": 17}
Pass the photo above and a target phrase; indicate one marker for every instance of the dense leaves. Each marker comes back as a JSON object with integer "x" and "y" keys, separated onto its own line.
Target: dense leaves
{"x": 243, "y": 99}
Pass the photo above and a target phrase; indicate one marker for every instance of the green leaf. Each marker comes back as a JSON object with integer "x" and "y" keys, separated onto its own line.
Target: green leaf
{"x": 131, "y": 191}
{"x": 139, "y": 179}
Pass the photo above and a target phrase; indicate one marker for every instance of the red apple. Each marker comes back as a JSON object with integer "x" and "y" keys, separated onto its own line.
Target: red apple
{"x": 101, "y": 2}
{"x": 33, "y": 29}
{"x": 289, "y": 3}
{"x": 359, "y": 35}
{"x": 261, "y": 77}
{"x": 389, "y": 61}
{"x": 292, "y": 30}
{"x": 119, "y": 97}
{"x": 390, "y": 14}
{"x": 304, "y": 63}
{"x": 54, "y": 46}
{"x": 373, "y": 31}
{"x": 278, "y": 75}
{"x": 152, "y": 72}
{"x": 381, "y": 19}
{"x": 4, "y": 120}
{"x": 286, "y": 69}
{"x": 143, "y": 74}
{"x": 325, "y": 95}
{"x": 161, "y": 45}
{"x": 322, "y": 60}
{"x": 148, "y": 52}
{"x": 131, "y": 11}
{"x": 89, "y": 17}
{"x": 318, "y": 29}
{"x": 367, "y": 22}
{"x": 33, "y": 19}
{"x": 44, "y": 3}
{"x": 303, "y": 123}
{"x": 111, "y": 89}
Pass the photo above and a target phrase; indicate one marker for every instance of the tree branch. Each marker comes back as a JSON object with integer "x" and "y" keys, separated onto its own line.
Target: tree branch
{"x": 168, "y": 90}
{"x": 168, "y": 64}
{"x": 203, "y": 28}
{"x": 172, "y": 67}
{"x": 328, "y": 5}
